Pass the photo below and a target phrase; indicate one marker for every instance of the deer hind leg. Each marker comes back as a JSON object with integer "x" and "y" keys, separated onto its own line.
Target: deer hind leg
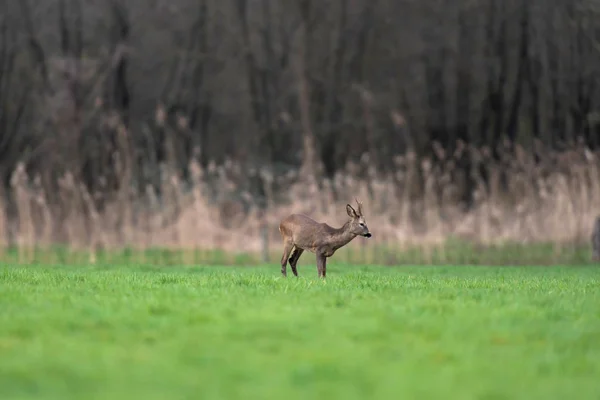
{"x": 321, "y": 265}
{"x": 294, "y": 259}
{"x": 287, "y": 249}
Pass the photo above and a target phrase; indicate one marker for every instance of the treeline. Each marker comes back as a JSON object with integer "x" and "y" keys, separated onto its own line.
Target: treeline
{"x": 111, "y": 91}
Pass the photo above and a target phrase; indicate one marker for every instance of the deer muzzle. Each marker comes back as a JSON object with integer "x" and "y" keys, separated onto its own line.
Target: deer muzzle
{"x": 367, "y": 235}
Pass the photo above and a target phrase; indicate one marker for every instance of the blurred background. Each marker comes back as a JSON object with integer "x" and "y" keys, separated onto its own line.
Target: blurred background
{"x": 184, "y": 130}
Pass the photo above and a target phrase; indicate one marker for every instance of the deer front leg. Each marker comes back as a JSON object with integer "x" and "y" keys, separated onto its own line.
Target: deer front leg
{"x": 321, "y": 265}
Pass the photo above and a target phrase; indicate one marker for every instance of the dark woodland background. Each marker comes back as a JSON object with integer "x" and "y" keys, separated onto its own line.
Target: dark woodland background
{"x": 112, "y": 93}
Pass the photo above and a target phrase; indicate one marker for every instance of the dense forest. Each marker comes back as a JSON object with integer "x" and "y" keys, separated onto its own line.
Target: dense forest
{"x": 113, "y": 93}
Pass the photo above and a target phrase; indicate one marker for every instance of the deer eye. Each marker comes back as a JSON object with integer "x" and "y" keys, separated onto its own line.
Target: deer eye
{"x": 362, "y": 224}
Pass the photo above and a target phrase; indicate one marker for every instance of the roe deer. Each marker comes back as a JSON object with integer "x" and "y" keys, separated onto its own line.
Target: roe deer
{"x": 596, "y": 240}
{"x": 303, "y": 233}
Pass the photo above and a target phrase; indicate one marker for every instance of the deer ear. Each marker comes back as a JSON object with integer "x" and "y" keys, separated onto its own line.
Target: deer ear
{"x": 351, "y": 212}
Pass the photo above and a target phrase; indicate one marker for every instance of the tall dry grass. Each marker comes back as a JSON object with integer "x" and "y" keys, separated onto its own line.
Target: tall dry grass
{"x": 526, "y": 197}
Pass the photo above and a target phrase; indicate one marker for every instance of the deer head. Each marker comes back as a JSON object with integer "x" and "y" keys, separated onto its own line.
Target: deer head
{"x": 357, "y": 224}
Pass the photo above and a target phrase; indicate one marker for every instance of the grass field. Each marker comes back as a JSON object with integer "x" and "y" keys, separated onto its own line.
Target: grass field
{"x": 133, "y": 331}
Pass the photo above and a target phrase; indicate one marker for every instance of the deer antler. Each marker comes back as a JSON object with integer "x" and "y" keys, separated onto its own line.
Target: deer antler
{"x": 359, "y": 206}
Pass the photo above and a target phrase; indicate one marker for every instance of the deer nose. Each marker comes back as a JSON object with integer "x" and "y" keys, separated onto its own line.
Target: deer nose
{"x": 368, "y": 235}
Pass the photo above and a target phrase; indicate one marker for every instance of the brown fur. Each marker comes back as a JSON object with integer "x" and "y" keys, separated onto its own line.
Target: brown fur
{"x": 596, "y": 240}
{"x": 301, "y": 232}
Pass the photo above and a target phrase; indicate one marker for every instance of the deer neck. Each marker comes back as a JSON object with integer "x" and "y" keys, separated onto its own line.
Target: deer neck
{"x": 342, "y": 236}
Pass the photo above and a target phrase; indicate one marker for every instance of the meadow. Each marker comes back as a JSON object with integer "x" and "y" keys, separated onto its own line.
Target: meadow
{"x": 128, "y": 330}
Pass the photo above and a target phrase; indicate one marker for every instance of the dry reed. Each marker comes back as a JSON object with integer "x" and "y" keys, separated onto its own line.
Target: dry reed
{"x": 552, "y": 199}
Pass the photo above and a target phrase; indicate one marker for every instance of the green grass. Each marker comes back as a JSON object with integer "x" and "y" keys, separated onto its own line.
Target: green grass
{"x": 135, "y": 331}
{"x": 452, "y": 252}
